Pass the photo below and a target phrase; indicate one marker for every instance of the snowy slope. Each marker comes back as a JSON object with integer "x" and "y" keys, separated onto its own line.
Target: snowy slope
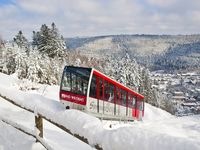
{"x": 158, "y": 130}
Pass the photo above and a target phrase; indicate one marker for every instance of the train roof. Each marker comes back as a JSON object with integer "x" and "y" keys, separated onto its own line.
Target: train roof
{"x": 117, "y": 83}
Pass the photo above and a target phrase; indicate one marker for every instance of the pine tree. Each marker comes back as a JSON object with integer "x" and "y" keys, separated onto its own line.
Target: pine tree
{"x": 9, "y": 64}
{"x": 21, "y": 58}
{"x": 50, "y": 42}
{"x": 44, "y": 40}
{"x": 22, "y": 42}
{"x": 35, "y": 40}
{"x": 39, "y": 68}
{"x": 150, "y": 94}
{"x": 58, "y": 41}
{"x": 33, "y": 66}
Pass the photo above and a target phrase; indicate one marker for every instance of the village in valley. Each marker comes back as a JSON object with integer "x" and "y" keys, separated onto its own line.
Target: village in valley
{"x": 183, "y": 90}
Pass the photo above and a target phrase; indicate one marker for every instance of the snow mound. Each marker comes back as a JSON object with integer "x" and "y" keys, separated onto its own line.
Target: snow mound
{"x": 152, "y": 113}
{"x": 8, "y": 81}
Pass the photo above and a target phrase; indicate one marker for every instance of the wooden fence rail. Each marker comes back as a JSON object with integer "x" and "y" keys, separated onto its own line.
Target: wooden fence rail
{"x": 39, "y": 123}
{"x": 24, "y": 130}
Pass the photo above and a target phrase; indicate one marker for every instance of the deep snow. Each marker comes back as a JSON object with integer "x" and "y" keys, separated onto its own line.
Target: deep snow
{"x": 12, "y": 139}
{"x": 158, "y": 130}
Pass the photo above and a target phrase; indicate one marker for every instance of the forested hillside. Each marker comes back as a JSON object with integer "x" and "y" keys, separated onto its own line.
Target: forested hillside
{"x": 157, "y": 52}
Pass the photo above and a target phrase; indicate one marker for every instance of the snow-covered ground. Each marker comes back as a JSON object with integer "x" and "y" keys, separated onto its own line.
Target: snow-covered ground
{"x": 158, "y": 130}
{"x": 11, "y": 138}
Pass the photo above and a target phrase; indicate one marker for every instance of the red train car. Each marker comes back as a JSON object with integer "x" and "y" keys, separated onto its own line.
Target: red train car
{"x": 93, "y": 92}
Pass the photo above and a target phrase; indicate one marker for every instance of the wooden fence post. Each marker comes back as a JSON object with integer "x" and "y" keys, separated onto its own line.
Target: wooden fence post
{"x": 39, "y": 125}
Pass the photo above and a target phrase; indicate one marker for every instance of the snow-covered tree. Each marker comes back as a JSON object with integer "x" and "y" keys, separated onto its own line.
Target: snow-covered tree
{"x": 14, "y": 60}
{"x": 58, "y": 43}
{"x": 34, "y": 68}
{"x": 124, "y": 70}
{"x": 35, "y": 38}
{"x": 44, "y": 40}
{"x": 21, "y": 58}
{"x": 152, "y": 96}
{"x": 9, "y": 64}
{"x": 21, "y": 51}
{"x": 21, "y": 42}
{"x": 49, "y": 41}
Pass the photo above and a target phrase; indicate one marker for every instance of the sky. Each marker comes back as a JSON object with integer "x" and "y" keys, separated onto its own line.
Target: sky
{"x": 77, "y": 18}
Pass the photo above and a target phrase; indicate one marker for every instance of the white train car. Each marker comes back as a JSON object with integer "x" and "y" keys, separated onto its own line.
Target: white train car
{"x": 93, "y": 92}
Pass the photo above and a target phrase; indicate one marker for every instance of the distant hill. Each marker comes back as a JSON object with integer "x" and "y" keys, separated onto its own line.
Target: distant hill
{"x": 158, "y": 52}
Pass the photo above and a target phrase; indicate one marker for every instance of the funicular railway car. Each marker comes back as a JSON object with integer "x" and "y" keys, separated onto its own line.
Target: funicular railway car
{"x": 93, "y": 92}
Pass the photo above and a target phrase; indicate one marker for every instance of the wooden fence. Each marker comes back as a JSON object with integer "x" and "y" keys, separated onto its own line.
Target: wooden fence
{"x": 39, "y": 125}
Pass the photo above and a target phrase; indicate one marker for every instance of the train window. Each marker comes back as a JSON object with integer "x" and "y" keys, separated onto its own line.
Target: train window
{"x": 100, "y": 88}
{"x": 118, "y": 95}
{"x": 108, "y": 91}
{"x": 74, "y": 83}
{"x": 93, "y": 87}
{"x": 79, "y": 85}
{"x": 133, "y": 101}
{"x": 129, "y": 99}
{"x": 84, "y": 87}
{"x": 111, "y": 94}
{"x": 75, "y": 80}
{"x": 123, "y": 97}
{"x": 66, "y": 82}
{"x": 139, "y": 105}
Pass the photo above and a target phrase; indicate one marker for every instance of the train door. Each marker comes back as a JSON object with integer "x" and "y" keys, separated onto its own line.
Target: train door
{"x": 106, "y": 104}
{"x": 130, "y": 106}
{"x": 92, "y": 100}
{"x": 134, "y": 105}
{"x": 109, "y": 90}
{"x": 139, "y": 109}
{"x": 118, "y": 100}
{"x": 100, "y": 99}
{"x": 123, "y": 101}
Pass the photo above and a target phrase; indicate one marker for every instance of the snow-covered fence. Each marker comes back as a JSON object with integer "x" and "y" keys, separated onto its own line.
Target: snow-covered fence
{"x": 26, "y": 131}
{"x": 38, "y": 121}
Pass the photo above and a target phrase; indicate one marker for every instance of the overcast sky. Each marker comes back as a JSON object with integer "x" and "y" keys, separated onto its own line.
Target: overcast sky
{"x": 100, "y": 17}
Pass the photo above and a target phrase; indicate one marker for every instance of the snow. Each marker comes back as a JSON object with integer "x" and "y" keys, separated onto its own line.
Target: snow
{"x": 154, "y": 114}
{"x": 8, "y": 81}
{"x": 158, "y": 130}
{"x": 11, "y": 138}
